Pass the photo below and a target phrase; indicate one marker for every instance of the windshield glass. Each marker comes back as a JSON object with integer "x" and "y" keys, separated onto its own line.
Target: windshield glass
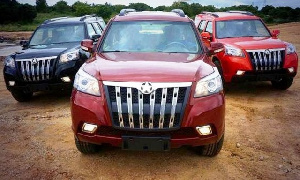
{"x": 241, "y": 28}
{"x": 151, "y": 36}
{"x": 57, "y": 34}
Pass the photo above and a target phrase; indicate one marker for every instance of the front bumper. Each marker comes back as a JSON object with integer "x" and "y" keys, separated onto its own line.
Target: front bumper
{"x": 198, "y": 112}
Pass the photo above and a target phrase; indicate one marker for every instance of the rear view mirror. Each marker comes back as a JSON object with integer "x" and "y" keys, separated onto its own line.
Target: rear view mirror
{"x": 87, "y": 45}
{"x": 206, "y": 36}
{"x": 215, "y": 48}
{"x": 275, "y": 33}
{"x": 24, "y": 43}
{"x": 95, "y": 37}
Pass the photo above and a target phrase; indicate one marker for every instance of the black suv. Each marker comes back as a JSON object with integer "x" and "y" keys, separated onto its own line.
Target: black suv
{"x": 51, "y": 57}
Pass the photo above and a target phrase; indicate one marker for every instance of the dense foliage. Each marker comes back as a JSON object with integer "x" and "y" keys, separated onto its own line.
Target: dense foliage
{"x": 11, "y": 11}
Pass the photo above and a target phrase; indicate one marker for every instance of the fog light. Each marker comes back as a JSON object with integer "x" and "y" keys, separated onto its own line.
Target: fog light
{"x": 66, "y": 79}
{"x": 89, "y": 128}
{"x": 239, "y": 72}
{"x": 291, "y": 69}
{"x": 204, "y": 130}
{"x": 11, "y": 83}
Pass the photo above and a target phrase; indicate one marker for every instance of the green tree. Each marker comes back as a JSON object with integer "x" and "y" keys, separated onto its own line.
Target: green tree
{"x": 27, "y": 13}
{"x": 41, "y": 5}
{"x": 103, "y": 10}
{"x": 140, "y": 6}
{"x": 81, "y": 9}
{"x": 61, "y": 7}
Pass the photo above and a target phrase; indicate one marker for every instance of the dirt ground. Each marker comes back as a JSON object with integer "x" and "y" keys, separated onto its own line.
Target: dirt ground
{"x": 262, "y": 139}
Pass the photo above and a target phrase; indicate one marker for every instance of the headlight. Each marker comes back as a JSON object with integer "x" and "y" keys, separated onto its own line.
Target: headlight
{"x": 69, "y": 56}
{"x": 290, "y": 48}
{"x": 9, "y": 61}
{"x": 210, "y": 84}
{"x": 233, "y": 51}
{"x": 86, "y": 83}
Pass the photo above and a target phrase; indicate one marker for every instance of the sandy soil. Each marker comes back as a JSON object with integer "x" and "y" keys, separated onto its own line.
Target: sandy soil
{"x": 261, "y": 142}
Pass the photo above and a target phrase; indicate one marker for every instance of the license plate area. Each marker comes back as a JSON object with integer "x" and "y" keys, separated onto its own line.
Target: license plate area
{"x": 161, "y": 143}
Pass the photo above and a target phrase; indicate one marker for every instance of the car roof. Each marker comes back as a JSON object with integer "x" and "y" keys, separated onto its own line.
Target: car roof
{"x": 72, "y": 20}
{"x": 151, "y": 15}
{"x": 228, "y": 15}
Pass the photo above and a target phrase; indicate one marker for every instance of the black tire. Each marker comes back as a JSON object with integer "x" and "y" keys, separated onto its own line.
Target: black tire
{"x": 86, "y": 148}
{"x": 219, "y": 67}
{"x": 21, "y": 96}
{"x": 211, "y": 149}
{"x": 283, "y": 83}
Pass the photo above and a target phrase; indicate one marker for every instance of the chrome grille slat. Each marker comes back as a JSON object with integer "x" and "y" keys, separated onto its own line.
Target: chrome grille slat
{"x": 267, "y": 59}
{"x": 162, "y": 108}
{"x": 119, "y": 105}
{"x": 23, "y": 70}
{"x": 48, "y": 68}
{"x": 43, "y": 69}
{"x": 152, "y": 105}
{"x": 279, "y": 59}
{"x": 129, "y": 105}
{"x": 28, "y": 71}
{"x": 256, "y": 61}
{"x": 141, "y": 110}
{"x": 174, "y": 103}
{"x": 147, "y": 106}
{"x": 32, "y": 72}
{"x": 36, "y": 69}
{"x": 275, "y": 59}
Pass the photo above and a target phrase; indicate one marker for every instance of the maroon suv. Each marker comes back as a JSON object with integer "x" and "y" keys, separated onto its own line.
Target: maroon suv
{"x": 150, "y": 85}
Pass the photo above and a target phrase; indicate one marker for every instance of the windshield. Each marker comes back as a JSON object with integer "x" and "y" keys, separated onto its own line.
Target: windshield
{"x": 151, "y": 36}
{"x": 46, "y": 35}
{"x": 241, "y": 28}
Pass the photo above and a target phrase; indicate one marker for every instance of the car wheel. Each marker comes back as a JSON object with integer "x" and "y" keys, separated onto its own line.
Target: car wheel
{"x": 219, "y": 67}
{"x": 21, "y": 96}
{"x": 283, "y": 83}
{"x": 211, "y": 149}
{"x": 85, "y": 147}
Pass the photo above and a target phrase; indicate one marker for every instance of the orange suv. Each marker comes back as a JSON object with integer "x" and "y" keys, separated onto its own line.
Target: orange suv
{"x": 252, "y": 51}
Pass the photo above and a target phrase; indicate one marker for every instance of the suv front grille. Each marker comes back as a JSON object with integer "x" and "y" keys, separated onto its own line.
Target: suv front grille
{"x": 267, "y": 59}
{"x": 163, "y": 108}
{"x": 36, "y": 69}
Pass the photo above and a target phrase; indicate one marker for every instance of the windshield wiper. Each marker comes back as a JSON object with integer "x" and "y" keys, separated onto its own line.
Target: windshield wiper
{"x": 113, "y": 51}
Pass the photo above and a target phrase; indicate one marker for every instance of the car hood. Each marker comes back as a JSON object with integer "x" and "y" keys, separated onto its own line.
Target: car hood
{"x": 251, "y": 43}
{"x": 152, "y": 67}
{"x": 45, "y": 50}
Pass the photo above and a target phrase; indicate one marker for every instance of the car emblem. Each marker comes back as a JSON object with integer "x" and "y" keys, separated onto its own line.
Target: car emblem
{"x": 146, "y": 88}
{"x": 267, "y": 52}
{"x": 34, "y": 61}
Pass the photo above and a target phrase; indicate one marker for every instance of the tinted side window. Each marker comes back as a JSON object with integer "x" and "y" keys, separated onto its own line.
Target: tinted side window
{"x": 209, "y": 27}
{"x": 97, "y": 28}
{"x": 201, "y": 26}
{"x": 91, "y": 30}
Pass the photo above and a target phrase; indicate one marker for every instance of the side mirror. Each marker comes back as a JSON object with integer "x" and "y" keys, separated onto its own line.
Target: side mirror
{"x": 95, "y": 37}
{"x": 24, "y": 43}
{"x": 275, "y": 33}
{"x": 215, "y": 48}
{"x": 206, "y": 36}
{"x": 87, "y": 45}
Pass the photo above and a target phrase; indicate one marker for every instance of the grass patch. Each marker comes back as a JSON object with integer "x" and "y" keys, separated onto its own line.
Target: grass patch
{"x": 40, "y": 18}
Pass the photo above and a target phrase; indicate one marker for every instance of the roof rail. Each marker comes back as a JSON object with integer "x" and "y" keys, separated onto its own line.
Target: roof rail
{"x": 210, "y": 13}
{"x": 180, "y": 12}
{"x": 242, "y": 12}
{"x": 125, "y": 11}
{"x": 54, "y": 19}
{"x": 88, "y": 16}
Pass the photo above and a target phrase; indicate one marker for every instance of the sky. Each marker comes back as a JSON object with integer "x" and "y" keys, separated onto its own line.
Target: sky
{"x": 155, "y": 3}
